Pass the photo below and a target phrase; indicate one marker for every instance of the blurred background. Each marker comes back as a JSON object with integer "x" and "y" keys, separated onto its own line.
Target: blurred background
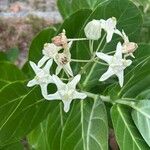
{"x": 20, "y": 21}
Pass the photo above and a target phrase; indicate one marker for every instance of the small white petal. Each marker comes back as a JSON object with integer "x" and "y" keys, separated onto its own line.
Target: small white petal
{"x": 32, "y": 83}
{"x": 120, "y": 77}
{"x": 58, "y": 69}
{"x": 42, "y": 61}
{"x": 58, "y": 82}
{"x": 125, "y": 37}
{"x": 67, "y": 105}
{"x": 70, "y": 44}
{"x": 118, "y": 53}
{"x": 118, "y": 32}
{"x": 54, "y": 96}
{"x": 48, "y": 65}
{"x": 79, "y": 95}
{"x": 107, "y": 74}
{"x": 75, "y": 81}
{"x": 35, "y": 68}
{"x": 128, "y": 62}
{"x": 68, "y": 69}
{"x": 109, "y": 36}
{"x": 104, "y": 57}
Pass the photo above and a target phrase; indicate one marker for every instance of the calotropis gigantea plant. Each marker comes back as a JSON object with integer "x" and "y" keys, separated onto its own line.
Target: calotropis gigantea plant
{"x": 84, "y": 79}
{"x": 67, "y": 91}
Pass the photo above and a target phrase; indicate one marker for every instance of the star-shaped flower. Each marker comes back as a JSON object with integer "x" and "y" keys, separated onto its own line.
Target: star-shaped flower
{"x": 49, "y": 52}
{"x": 66, "y": 92}
{"x": 116, "y": 64}
{"x": 109, "y": 26}
{"x": 43, "y": 77}
{"x": 128, "y": 47}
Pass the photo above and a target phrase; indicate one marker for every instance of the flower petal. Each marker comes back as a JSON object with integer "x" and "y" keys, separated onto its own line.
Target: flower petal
{"x": 58, "y": 82}
{"x": 120, "y": 77}
{"x": 67, "y": 68}
{"x": 109, "y": 35}
{"x": 58, "y": 69}
{"x": 42, "y": 61}
{"x": 32, "y": 83}
{"x": 35, "y": 68}
{"x": 48, "y": 65}
{"x": 118, "y": 53}
{"x": 54, "y": 96}
{"x": 67, "y": 105}
{"x": 118, "y": 32}
{"x": 75, "y": 81}
{"x": 104, "y": 57}
{"x": 107, "y": 74}
{"x": 79, "y": 95}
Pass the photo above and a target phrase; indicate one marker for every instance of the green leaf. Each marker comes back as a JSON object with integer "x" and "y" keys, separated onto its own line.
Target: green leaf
{"x": 14, "y": 146}
{"x": 128, "y": 18}
{"x": 141, "y": 117}
{"x": 83, "y": 128}
{"x": 21, "y": 110}
{"x": 68, "y": 7}
{"x": 3, "y": 56}
{"x": 9, "y": 72}
{"x": 126, "y": 133}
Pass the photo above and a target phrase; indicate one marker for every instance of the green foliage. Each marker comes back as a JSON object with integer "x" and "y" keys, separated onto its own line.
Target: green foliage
{"x": 85, "y": 127}
{"x": 25, "y": 113}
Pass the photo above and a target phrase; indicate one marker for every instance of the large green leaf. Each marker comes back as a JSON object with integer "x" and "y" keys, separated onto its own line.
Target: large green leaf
{"x": 9, "y": 72}
{"x": 68, "y": 7}
{"x": 128, "y": 17}
{"x": 83, "y": 128}
{"x": 14, "y": 146}
{"x": 21, "y": 110}
{"x": 141, "y": 117}
{"x": 126, "y": 133}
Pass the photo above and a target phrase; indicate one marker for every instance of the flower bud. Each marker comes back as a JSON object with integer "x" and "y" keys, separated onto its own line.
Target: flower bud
{"x": 60, "y": 40}
{"x": 93, "y": 30}
{"x": 129, "y": 47}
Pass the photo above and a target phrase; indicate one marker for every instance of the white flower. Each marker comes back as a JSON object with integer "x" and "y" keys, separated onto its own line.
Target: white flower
{"x": 43, "y": 77}
{"x": 93, "y": 30}
{"x": 109, "y": 26}
{"x": 66, "y": 92}
{"x": 128, "y": 47}
{"x": 116, "y": 64}
{"x": 50, "y": 50}
{"x": 63, "y": 61}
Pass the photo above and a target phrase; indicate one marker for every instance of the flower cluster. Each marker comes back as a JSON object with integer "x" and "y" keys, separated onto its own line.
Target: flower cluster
{"x": 58, "y": 52}
{"x": 117, "y": 63}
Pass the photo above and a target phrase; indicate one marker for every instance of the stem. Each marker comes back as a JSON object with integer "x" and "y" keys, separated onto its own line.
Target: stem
{"x": 91, "y": 42}
{"x": 100, "y": 62}
{"x": 77, "y": 60}
{"x": 78, "y": 39}
{"x": 100, "y": 42}
{"x": 124, "y": 102}
{"x": 111, "y": 52}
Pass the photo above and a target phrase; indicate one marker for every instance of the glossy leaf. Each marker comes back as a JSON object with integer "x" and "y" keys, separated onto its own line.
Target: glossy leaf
{"x": 83, "y": 128}
{"x": 127, "y": 135}
{"x": 68, "y": 7}
{"x": 21, "y": 110}
{"x": 141, "y": 117}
